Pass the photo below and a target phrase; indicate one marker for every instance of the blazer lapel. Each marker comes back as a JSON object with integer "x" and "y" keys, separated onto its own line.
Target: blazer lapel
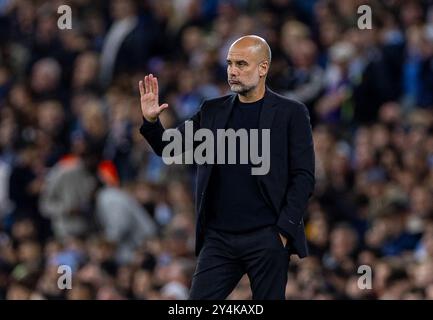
{"x": 219, "y": 122}
{"x": 221, "y": 117}
{"x": 267, "y": 114}
{"x": 268, "y": 110}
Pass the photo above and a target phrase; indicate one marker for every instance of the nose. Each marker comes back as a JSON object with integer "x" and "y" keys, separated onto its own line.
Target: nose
{"x": 232, "y": 71}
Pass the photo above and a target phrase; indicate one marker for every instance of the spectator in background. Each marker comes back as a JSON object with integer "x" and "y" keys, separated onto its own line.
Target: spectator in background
{"x": 52, "y": 131}
{"x": 45, "y": 80}
{"x": 304, "y": 78}
{"x": 85, "y": 72}
{"x": 128, "y": 42}
{"x": 123, "y": 221}
{"x": 332, "y": 107}
{"x": 25, "y": 185}
{"x": 67, "y": 194}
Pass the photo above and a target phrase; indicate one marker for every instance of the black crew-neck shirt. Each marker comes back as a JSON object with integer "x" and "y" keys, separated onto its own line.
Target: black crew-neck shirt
{"x": 234, "y": 201}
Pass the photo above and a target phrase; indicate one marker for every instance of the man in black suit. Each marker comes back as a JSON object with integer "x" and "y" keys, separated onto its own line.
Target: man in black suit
{"x": 246, "y": 223}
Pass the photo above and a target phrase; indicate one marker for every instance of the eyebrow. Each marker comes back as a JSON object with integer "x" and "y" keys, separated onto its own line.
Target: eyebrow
{"x": 236, "y": 61}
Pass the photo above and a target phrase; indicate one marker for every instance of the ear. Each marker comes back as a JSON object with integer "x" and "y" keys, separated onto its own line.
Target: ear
{"x": 263, "y": 68}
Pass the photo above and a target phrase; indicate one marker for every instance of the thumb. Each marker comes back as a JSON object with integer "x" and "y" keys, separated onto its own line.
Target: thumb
{"x": 163, "y": 107}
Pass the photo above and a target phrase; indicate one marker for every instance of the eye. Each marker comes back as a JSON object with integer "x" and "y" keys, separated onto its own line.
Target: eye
{"x": 241, "y": 64}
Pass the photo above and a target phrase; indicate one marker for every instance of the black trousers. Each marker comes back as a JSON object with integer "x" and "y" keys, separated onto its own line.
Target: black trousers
{"x": 226, "y": 257}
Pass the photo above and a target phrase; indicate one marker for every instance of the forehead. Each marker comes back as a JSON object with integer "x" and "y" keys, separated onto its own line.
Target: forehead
{"x": 241, "y": 53}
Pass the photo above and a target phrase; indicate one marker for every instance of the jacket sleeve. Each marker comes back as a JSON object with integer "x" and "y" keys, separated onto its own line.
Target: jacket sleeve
{"x": 301, "y": 151}
{"x": 153, "y": 132}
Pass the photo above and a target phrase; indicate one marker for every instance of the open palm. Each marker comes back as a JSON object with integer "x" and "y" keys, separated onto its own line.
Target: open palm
{"x": 149, "y": 98}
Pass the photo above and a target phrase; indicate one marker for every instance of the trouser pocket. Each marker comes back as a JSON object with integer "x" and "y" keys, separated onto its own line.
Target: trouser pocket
{"x": 276, "y": 234}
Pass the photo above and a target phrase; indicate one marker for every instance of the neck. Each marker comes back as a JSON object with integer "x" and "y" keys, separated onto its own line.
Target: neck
{"x": 252, "y": 96}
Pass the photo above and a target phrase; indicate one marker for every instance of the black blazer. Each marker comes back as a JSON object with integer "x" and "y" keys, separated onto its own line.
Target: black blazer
{"x": 290, "y": 180}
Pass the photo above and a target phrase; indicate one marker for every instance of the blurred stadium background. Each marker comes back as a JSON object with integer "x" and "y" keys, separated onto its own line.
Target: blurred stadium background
{"x": 79, "y": 186}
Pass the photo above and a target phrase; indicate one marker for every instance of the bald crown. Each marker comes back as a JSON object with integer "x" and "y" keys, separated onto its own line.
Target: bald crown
{"x": 258, "y": 44}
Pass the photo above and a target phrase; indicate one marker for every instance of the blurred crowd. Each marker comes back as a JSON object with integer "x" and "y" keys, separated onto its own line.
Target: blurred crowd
{"x": 80, "y": 187}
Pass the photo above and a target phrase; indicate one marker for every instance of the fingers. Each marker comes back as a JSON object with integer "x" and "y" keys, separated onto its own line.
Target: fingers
{"x": 150, "y": 84}
{"x": 154, "y": 85}
{"x": 146, "y": 84}
{"x": 141, "y": 87}
{"x": 150, "y": 80}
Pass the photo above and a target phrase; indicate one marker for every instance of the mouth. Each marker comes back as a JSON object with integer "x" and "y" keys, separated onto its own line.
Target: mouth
{"x": 234, "y": 82}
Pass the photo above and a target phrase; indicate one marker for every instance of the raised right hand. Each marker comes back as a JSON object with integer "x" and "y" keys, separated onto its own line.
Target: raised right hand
{"x": 150, "y": 107}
